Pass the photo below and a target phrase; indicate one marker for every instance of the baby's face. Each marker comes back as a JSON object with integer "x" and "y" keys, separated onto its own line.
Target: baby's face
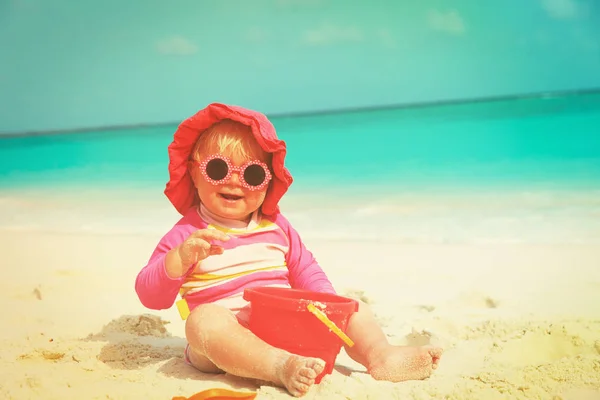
{"x": 230, "y": 198}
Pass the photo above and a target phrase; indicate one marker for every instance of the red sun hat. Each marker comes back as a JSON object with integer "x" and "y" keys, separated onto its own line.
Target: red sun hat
{"x": 180, "y": 189}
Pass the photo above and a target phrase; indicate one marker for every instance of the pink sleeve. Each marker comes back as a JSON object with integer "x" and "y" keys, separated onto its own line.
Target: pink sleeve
{"x": 155, "y": 289}
{"x": 305, "y": 272}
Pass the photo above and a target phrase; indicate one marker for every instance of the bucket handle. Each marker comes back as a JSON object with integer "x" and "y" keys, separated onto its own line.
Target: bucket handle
{"x": 330, "y": 324}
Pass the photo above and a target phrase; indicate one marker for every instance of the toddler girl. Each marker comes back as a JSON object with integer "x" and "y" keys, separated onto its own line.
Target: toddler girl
{"x": 227, "y": 176}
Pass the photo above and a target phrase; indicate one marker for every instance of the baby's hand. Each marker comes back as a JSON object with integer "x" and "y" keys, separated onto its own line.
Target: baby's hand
{"x": 198, "y": 246}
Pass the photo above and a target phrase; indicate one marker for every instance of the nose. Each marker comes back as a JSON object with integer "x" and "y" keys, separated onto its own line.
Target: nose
{"x": 234, "y": 179}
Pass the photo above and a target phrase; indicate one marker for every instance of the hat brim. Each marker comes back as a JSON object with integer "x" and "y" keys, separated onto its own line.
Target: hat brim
{"x": 180, "y": 189}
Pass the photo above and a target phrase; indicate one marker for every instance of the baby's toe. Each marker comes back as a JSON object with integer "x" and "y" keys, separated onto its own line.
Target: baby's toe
{"x": 308, "y": 373}
{"x": 317, "y": 365}
{"x": 435, "y": 352}
{"x": 300, "y": 389}
{"x": 305, "y": 380}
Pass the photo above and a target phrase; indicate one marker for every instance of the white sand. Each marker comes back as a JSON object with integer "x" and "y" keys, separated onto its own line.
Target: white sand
{"x": 517, "y": 321}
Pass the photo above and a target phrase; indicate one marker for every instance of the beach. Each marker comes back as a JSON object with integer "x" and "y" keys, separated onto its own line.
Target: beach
{"x": 517, "y": 320}
{"x": 441, "y": 165}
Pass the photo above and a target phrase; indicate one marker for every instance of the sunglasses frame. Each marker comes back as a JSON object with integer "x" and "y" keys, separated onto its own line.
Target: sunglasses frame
{"x": 231, "y": 169}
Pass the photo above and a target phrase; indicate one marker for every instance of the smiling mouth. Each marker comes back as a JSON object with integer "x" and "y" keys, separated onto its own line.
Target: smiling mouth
{"x": 231, "y": 197}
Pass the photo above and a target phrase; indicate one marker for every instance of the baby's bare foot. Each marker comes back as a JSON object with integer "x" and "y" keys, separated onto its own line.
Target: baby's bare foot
{"x": 404, "y": 363}
{"x": 298, "y": 373}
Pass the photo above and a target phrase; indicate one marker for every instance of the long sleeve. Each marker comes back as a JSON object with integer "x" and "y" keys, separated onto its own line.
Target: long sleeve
{"x": 155, "y": 289}
{"x": 305, "y": 272}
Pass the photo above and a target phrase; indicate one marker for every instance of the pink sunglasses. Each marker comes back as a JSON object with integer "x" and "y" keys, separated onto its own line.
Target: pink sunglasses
{"x": 217, "y": 169}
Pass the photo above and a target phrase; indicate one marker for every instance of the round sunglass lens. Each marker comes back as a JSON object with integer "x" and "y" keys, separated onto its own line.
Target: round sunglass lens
{"x": 216, "y": 169}
{"x": 254, "y": 175}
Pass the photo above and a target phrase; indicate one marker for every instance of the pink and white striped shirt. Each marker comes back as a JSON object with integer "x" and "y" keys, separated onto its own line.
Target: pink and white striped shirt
{"x": 265, "y": 252}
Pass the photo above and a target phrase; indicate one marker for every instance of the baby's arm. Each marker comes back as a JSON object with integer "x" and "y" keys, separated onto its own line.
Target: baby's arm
{"x": 305, "y": 272}
{"x": 155, "y": 289}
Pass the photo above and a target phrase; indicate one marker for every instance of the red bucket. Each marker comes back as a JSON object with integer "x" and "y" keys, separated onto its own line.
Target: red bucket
{"x": 280, "y": 317}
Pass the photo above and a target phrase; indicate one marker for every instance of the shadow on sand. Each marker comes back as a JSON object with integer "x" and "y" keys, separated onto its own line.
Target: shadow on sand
{"x": 137, "y": 341}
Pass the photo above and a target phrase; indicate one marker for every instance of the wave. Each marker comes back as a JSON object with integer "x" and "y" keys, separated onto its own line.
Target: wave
{"x": 568, "y": 217}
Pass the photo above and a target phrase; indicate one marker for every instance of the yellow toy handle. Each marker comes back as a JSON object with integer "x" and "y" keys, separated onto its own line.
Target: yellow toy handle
{"x": 329, "y": 323}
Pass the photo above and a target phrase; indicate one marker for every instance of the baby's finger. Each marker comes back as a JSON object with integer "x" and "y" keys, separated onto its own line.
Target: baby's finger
{"x": 193, "y": 250}
{"x": 216, "y": 250}
{"x": 199, "y": 244}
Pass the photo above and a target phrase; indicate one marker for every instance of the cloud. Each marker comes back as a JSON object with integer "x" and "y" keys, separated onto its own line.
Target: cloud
{"x": 329, "y": 34}
{"x": 387, "y": 38}
{"x": 561, "y": 9}
{"x": 297, "y": 3}
{"x": 450, "y": 22}
{"x": 256, "y": 35}
{"x": 176, "y": 45}
{"x": 27, "y": 5}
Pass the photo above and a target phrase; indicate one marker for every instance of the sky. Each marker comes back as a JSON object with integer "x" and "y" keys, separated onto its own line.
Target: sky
{"x": 74, "y": 65}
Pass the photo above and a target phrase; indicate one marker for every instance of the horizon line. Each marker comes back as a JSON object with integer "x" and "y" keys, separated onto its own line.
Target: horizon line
{"x": 306, "y": 114}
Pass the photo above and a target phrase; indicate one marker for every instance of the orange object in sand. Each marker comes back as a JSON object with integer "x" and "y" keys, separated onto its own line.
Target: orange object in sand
{"x": 219, "y": 394}
{"x": 282, "y": 317}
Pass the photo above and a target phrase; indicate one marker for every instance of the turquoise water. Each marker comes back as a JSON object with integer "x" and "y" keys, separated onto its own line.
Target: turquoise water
{"x": 513, "y": 170}
{"x": 540, "y": 141}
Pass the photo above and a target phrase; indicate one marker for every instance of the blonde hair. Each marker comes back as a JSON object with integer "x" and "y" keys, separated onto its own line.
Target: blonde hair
{"x": 232, "y": 137}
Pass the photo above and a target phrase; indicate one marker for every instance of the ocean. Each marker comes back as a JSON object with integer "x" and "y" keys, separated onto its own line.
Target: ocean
{"x": 505, "y": 171}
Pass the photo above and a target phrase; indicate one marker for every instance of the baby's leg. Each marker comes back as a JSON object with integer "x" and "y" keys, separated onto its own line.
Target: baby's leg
{"x": 382, "y": 360}
{"x": 200, "y": 362}
{"x": 215, "y": 335}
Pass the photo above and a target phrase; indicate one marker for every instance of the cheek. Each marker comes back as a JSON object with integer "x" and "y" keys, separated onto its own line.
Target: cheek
{"x": 205, "y": 189}
{"x": 257, "y": 197}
